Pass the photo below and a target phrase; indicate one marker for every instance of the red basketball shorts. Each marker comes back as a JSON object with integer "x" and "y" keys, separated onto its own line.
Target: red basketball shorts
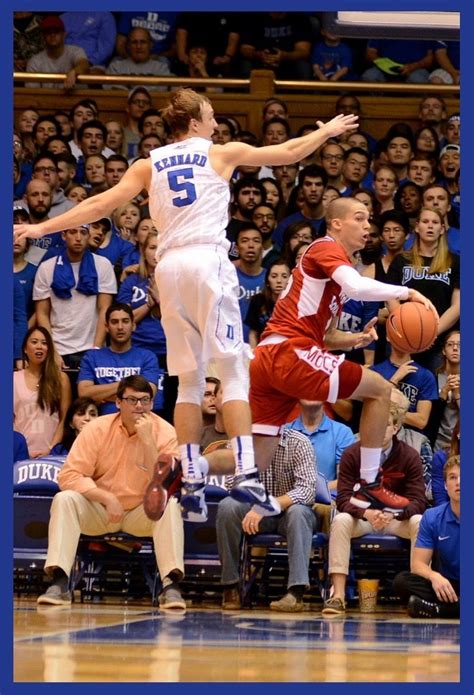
{"x": 283, "y": 373}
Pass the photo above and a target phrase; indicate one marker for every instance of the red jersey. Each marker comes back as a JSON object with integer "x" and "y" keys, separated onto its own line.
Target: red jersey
{"x": 311, "y": 298}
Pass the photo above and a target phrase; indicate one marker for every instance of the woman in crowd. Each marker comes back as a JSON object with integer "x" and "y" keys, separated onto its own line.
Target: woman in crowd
{"x": 445, "y": 412}
{"x": 262, "y": 304}
{"x": 409, "y": 199}
{"x": 94, "y": 169}
{"x": 79, "y": 413}
{"x": 427, "y": 141}
{"x": 367, "y": 197}
{"x": 274, "y": 196}
{"x": 125, "y": 219}
{"x": 42, "y": 394}
{"x": 77, "y": 193}
{"x": 433, "y": 270}
{"x": 116, "y": 137}
{"x": 295, "y": 233}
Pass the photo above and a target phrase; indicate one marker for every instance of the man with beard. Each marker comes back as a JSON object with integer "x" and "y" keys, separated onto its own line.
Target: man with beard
{"x": 45, "y": 167}
{"x": 38, "y": 197}
{"x": 67, "y": 167}
{"x": 102, "y": 370}
{"x": 312, "y": 180}
{"x": 264, "y": 218}
{"x": 247, "y": 194}
{"x": 250, "y": 274}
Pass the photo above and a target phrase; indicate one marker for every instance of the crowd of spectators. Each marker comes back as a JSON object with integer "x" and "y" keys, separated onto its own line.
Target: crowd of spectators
{"x": 295, "y": 45}
{"x": 95, "y": 316}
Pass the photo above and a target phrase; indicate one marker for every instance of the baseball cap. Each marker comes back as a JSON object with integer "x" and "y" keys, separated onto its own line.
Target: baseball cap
{"x": 450, "y": 148}
{"x": 105, "y": 222}
{"x": 440, "y": 76}
{"x": 136, "y": 89}
{"x": 20, "y": 208}
{"x": 52, "y": 22}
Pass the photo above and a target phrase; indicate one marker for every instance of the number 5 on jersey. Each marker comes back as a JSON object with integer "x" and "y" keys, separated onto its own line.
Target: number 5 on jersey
{"x": 179, "y": 181}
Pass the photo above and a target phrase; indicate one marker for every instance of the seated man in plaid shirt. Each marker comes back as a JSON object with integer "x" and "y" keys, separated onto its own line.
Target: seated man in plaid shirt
{"x": 291, "y": 478}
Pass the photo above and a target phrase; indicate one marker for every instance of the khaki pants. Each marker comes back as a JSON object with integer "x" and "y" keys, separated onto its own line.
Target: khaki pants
{"x": 72, "y": 514}
{"x": 344, "y": 527}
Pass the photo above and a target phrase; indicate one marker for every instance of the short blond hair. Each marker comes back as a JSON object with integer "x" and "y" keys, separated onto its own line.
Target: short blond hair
{"x": 452, "y": 462}
{"x": 184, "y": 104}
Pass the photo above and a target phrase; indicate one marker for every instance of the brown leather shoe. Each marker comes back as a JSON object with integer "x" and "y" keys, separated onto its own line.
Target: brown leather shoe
{"x": 231, "y": 600}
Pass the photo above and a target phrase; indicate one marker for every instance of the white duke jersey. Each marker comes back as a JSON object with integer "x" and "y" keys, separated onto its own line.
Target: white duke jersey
{"x": 188, "y": 199}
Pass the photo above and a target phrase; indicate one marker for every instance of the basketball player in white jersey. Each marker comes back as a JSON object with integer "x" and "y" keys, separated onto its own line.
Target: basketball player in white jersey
{"x": 189, "y": 198}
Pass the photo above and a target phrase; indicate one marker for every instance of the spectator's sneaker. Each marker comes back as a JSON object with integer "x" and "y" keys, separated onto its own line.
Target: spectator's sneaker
{"x": 171, "y": 599}
{"x": 54, "y": 596}
{"x": 248, "y": 488}
{"x": 376, "y": 496}
{"x": 334, "y": 606}
{"x": 193, "y": 503}
{"x": 288, "y": 604}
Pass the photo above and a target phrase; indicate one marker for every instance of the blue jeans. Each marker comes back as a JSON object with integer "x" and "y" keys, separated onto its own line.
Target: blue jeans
{"x": 297, "y": 524}
{"x": 374, "y": 74}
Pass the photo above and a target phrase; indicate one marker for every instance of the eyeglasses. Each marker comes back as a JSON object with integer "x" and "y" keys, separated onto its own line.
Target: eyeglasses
{"x": 133, "y": 400}
{"x": 453, "y": 345}
{"x": 45, "y": 170}
{"x": 140, "y": 102}
{"x": 337, "y": 157}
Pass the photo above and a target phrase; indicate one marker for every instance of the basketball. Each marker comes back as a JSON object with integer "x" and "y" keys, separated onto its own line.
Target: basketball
{"x": 412, "y": 328}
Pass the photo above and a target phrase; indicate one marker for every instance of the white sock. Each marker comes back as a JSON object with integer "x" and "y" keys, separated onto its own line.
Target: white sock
{"x": 369, "y": 463}
{"x": 243, "y": 454}
{"x": 203, "y": 466}
{"x": 189, "y": 454}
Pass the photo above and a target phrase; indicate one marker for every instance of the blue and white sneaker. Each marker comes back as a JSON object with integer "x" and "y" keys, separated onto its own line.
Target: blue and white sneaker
{"x": 248, "y": 488}
{"x": 193, "y": 503}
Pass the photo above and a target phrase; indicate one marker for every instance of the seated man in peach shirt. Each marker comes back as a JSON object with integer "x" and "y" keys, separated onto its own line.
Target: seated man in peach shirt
{"x": 102, "y": 482}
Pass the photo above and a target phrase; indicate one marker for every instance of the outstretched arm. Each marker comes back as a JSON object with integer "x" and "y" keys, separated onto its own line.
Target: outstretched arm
{"x": 92, "y": 209}
{"x": 238, "y": 153}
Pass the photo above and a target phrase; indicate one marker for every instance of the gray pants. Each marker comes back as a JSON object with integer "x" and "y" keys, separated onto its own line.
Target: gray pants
{"x": 297, "y": 524}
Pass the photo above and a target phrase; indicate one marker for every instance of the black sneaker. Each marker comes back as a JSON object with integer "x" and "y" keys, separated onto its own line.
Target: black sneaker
{"x": 419, "y": 608}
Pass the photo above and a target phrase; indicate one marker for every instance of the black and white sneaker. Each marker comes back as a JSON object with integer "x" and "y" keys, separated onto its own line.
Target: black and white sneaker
{"x": 248, "y": 488}
{"x": 193, "y": 502}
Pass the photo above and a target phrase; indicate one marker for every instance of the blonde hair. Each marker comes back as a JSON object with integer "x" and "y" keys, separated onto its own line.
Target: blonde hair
{"x": 184, "y": 104}
{"x": 451, "y": 463}
{"x": 142, "y": 268}
{"x": 118, "y": 211}
{"x": 396, "y": 415}
{"x": 442, "y": 260}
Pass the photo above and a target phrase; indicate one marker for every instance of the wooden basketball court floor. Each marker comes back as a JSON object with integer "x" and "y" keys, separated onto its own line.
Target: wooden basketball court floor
{"x": 112, "y": 642}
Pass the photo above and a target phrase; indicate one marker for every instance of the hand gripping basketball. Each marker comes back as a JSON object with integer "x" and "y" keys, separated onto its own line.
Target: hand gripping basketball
{"x": 164, "y": 483}
{"x": 412, "y": 328}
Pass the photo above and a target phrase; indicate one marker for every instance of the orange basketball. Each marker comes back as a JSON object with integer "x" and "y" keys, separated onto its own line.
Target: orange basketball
{"x": 412, "y": 327}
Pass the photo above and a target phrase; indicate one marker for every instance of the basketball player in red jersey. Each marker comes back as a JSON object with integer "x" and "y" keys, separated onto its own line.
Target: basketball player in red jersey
{"x": 293, "y": 360}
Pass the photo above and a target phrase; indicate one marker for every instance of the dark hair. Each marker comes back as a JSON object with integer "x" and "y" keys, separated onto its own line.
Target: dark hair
{"x": 358, "y": 150}
{"x": 400, "y": 130}
{"x": 51, "y": 119}
{"x": 274, "y": 120}
{"x": 397, "y": 216}
{"x": 69, "y": 159}
{"x": 294, "y": 252}
{"x": 135, "y": 382}
{"x": 228, "y": 123}
{"x": 288, "y": 232}
{"x": 435, "y": 136}
{"x": 307, "y": 126}
{"x": 45, "y": 150}
{"x": 45, "y": 155}
{"x": 87, "y": 103}
{"x": 146, "y": 114}
{"x": 281, "y": 206}
{"x": 77, "y": 407}
{"x": 313, "y": 170}
{"x": 213, "y": 380}
{"x": 49, "y": 387}
{"x": 119, "y": 306}
{"x": 248, "y": 137}
{"x": 344, "y": 96}
{"x": 371, "y": 194}
{"x": 117, "y": 158}
{"x": 398, "y": 194}
{"x": 248, "y": 181}
{"x": 246, "y": 227}
{"x": 94, "y": 123}
{"x": 268, "y": 302}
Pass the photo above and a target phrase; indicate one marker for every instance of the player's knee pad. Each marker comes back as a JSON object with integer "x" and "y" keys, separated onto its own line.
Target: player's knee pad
{"x": 191, "y": 387}
{"x": 234, "y": 376}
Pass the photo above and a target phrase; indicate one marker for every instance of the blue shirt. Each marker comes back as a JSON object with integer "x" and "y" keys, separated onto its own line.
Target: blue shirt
{"x": 26, "y": 278}
{"x": 20, "y": 321}
{"x": 161, "y": 26}
{"x": 440, "y": 530}
{"x": 277, "y": 236}
{"x": 418, "y": 386}
{"x": 355, "y": 315}
{"x": 328, "y": 441}
{"x": 249, "y": 286}
{"x": 331, "y": 58}
{"x": 94, "y": 32}
{"x": 149, "y": 331}
{"x": 116, "y": 250}
{"x": 105, "y": 366}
